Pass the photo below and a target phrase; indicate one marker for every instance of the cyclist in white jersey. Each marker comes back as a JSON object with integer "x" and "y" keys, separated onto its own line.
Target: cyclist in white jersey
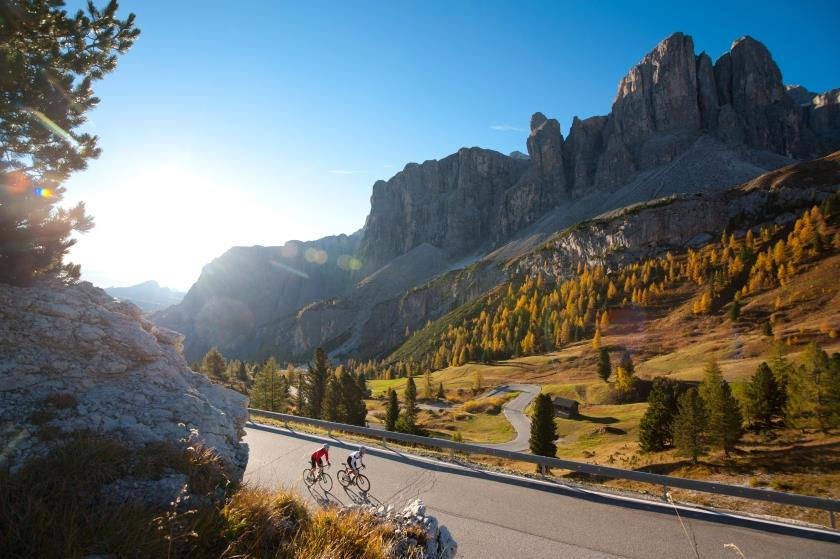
{"x": 355, "y": 460}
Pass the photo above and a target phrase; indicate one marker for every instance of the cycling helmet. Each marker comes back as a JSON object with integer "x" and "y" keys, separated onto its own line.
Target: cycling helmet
{"x": 362, "y": 449}
{"x": 325, "y": 446}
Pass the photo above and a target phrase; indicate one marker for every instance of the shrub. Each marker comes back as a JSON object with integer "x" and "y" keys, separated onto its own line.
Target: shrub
{"x": 492, "y": 405}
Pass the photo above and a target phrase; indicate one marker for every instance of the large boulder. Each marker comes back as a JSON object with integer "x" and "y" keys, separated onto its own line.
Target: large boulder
{"x": 73, "y": 359}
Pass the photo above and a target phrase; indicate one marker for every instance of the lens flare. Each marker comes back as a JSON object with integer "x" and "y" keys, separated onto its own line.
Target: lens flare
{"x": 348, "y": 262}
{"x": 16, "y": 182}
{"x": 53, "y": 127}
{"x": 284, "y": 267}
{"x": 316, "y": 256}
{"x": 289, "y": 250}
{"x": 44, "y": 192}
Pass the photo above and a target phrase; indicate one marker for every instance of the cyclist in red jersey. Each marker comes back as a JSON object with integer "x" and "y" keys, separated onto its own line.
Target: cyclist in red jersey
{"x": 319, "y": 455}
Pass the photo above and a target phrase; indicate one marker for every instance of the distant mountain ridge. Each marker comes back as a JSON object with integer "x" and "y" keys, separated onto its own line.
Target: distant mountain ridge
{"x": 149, "y": 295}
{"x": 440, "y": 233}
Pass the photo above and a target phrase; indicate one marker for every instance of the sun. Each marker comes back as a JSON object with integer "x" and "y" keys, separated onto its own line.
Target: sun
{"x": 166, "y": 222}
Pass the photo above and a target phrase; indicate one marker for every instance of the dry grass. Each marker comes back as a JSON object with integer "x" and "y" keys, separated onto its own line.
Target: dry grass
{"x": 492, "y": 405}
{"x": 52, "y": 508}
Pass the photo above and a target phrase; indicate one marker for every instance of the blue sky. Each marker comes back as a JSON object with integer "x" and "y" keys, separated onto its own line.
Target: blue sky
{"x": 258, "y": 122}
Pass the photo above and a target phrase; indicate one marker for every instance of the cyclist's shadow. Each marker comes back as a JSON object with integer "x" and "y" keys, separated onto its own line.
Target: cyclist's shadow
{"x": 323, "y": 498}
{"x": 361, "y": 497}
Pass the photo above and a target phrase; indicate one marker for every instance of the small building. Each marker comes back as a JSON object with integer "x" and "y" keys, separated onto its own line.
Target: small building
{"x": 564, "y": 407}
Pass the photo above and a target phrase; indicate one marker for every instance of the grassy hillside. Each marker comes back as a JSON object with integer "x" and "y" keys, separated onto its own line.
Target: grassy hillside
{"x": 669, "y": 329}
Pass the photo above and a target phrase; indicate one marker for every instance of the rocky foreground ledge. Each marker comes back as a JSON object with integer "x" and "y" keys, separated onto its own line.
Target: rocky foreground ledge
{"x": 73, "y": 359}
{"x": 409, "y": 523}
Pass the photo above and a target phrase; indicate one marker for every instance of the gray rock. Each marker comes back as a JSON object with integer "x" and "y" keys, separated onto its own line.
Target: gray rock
{"x": 707, "y": 97}
{"x": 582, "y": 149}
{"x": 95, "y": 365}
{"x": 800, "y": 95}
{"x": 452, "y": 204}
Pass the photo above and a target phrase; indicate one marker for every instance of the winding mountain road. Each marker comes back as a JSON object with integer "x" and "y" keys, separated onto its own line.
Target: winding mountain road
{"x": 494, "y": 515}
{"x": 514, "y": 411}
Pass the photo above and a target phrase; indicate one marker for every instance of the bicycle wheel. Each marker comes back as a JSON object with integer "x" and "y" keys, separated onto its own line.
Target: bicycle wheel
{"x": 343, "y": 478}
{"x": 325, "y": 481}
{"x": 363, "y": 483}
{"x": 308, "y": 478}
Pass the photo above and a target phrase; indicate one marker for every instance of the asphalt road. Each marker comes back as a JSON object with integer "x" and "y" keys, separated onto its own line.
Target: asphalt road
{"x": 491, "y": 515}
{"x": 513, "y": 411}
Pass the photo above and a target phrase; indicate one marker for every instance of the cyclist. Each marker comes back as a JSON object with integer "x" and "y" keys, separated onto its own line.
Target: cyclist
{"x": 355, "y": 460}
{"x": 319, "y": 455}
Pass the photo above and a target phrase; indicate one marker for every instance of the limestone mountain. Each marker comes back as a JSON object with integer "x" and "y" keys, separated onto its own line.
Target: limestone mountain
{"x": 440, "y": 233}
{"x": 248, "y": 287}
{"x": 149, "y": 295}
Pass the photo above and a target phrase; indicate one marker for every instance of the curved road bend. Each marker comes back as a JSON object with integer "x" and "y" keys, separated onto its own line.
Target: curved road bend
{"x": 514, "y": 412}
{"x": 491, "y": 515}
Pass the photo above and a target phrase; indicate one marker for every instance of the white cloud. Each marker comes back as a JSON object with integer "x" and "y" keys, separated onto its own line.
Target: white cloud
{"x": 507, "y": 128}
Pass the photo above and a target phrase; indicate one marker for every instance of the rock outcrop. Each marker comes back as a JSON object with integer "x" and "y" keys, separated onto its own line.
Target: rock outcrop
{"x": 74, "y": 359}
{"x": 439, "y": 543}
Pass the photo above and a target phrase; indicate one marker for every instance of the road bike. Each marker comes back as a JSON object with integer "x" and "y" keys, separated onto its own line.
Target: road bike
{"x": 347, "y": 477}
{"x": 323, "y": 479}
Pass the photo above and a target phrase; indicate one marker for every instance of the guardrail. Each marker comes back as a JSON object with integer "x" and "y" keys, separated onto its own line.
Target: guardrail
{"x": 830, "y": 505}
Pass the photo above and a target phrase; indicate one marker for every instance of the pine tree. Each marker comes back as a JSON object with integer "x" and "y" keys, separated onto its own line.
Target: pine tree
{"x": 392, "y": 412}
{"x": 407, "y": 422}
{"x": 49, "y": 61}
{"x": 596, "y": 340}
{"x": 315, "y": 387}
{"x": 812, "y": 397}
{"x": 213, "y": 365}
{"x": 732, "y": 425}
{"x": 832, "y": 391}
{"x": 441, "y": 395}
{"x": 353, "y": 406}
{"x": 766, "y": 329}
{"x": 268, "y": 392}
{"x": 242, "y": 373}
{"x": 764, "y": 398}
{"x": 689, "y": 425}
{"x": 656, "y": 427}
{"x": 722, "y": 411}
{"x": 362, "y": 381}
{"x": 331, "y": 408}
{"x": 543, "y": 430}
{"x": 427, "y": 385}
{"x": 604, "y": 366}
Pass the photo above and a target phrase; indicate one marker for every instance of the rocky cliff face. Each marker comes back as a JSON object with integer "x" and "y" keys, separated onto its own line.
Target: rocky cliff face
{"x": 247, "y": 287}
{"x": 684, "y": 221}
{"x": 74, "y": 359}
{"x": 452, "y": 204}
{"x": 663, "y": 106}
{"x": 679, "y": 123}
